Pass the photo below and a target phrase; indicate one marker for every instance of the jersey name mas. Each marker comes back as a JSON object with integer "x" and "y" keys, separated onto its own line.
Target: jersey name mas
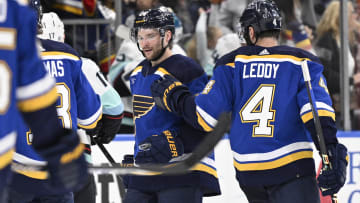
{"x": 265, "y": 90}
{"x": 77, "y": 105}
{"x": 151, "y": 120}
{"x": 24, "y": 83}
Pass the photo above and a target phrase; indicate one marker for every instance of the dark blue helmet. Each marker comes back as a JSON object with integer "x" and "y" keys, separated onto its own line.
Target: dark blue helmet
{"x": 160, "y": 18}
{"x": 36, "y": 5}
{"x": 262, "y": 15}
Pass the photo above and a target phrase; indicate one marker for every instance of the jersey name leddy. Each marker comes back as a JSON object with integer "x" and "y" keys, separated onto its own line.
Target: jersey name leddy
{"x": 260, "y": 70}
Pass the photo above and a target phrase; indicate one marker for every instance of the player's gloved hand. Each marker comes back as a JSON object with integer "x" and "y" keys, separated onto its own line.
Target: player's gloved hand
{"x": 66, "y": 163}
{"x": 167, "y": 91}
{"x": 109, "y": 127}
{"x": 330, "y": 181}
{"x": 159, "y": 148}
{"x": 128, "y": 160}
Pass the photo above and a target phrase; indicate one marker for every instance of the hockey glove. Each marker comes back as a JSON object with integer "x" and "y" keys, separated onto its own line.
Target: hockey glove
{"x": 330, "y": 181}
{"x": 66, "y": 163}
{"x": 109, "y": 127}
{"x": 159, "y": 148}
{"x": 167, "y": 91}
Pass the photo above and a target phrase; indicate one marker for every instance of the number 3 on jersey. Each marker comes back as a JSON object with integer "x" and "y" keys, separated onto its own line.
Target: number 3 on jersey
{"x": 258, "y": 110}
{"x": 63, "y": 109}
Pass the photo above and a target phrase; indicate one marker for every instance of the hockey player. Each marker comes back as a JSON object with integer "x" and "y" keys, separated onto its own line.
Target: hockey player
{"x": 112, "y": 106}
{"x": 78, "y": 105}
{"x": 27, "y": 88}
{"x": 263, "y": 86}
{"x": 160, "y": 136}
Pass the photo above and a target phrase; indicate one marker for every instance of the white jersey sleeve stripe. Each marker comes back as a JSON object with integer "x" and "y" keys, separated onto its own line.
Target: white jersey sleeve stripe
{"x": 319, "y": 105}
{"x": 35, "y": 89}
{"x": 207, "y": 117}
{"x": 7, "y": 142}
{"x": 89, "y": 122}
{"x": 278, "y": 153}
{"x": 28, "y": 161}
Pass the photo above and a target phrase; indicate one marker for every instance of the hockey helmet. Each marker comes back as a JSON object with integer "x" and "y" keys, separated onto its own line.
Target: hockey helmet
{"x": 160, "y": 18}
{"x": 52, "y": 27}
{"x": 262, "y": 15}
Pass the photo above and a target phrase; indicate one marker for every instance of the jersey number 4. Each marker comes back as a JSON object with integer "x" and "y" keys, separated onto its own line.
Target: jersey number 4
{"x": 258, "y": 110}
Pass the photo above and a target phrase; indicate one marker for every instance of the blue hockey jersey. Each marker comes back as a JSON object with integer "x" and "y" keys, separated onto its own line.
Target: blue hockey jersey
{"x": 265, "y": 91}
{"x": 77, "y": 105}
{"x": 151, "y": 120}
{"x": 24, "y": 83}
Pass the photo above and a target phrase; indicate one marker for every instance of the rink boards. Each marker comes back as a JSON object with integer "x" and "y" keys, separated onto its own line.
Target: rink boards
{"x": 107, "y": 189}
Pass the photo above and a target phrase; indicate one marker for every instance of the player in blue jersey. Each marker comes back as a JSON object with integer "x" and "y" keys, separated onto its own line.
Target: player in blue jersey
{"x": 112, "y": 106}
{"x": 272, "y": 129}
{"x": 161, "y": 137}
{"x": 26, "y": 88}
{"x": 78, "y": 105}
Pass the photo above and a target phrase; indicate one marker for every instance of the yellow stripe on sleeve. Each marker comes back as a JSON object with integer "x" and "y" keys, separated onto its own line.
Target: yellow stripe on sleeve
{"x": 38, "y": 103}
{"x": 273, "y": 164}
{"x": 308, "y": 116}
{"x": 41, "y": 175}
{"x": 70, "y": 156}
{"x": 203, "y": 124}
{"x": 206, "y": 169}
{"x": 93, "y": 125}
{"x": 6, "y": 158}
{"x": 59, "y": 53}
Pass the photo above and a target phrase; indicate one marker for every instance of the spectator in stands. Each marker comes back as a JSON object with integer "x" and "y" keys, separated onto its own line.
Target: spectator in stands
{"x": 228, "y": 14}
{"x": 296, "y": 33}
{"x": 202, "y": 44}
{"x": 89, "y": 41}
{"x": 327, "y": 47}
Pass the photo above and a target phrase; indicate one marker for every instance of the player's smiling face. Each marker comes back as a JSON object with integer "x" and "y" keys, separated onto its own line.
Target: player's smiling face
{"x": 150, "y": 42}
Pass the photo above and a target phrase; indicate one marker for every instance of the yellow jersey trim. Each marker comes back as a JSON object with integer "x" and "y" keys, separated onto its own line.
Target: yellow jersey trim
{"x": 70, "y": 156}
{"x": 206, "y": 169}
{"x": 272, "y": 56}
{"x": 41, "y": 175}
{"x": 59, "y": 53}
{"x": 273, "y": 164}
{"x": 6, "y": 158}
{"x": 203, "y": 124}
{"x": 308, "y": 116}
{"x": 40, "y": 102}
{"x": 93, "y": 125}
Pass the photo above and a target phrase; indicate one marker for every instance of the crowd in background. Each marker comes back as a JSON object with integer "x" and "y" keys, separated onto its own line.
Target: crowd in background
{"x": 206, "y": 30}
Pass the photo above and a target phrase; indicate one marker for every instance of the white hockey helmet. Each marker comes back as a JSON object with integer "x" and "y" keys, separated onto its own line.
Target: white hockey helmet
{"x": 52, "y": 27}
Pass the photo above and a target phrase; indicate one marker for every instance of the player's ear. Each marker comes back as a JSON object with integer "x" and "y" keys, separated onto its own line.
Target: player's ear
{"x": 252, "y": 36}
{"x": 168, "y": 35}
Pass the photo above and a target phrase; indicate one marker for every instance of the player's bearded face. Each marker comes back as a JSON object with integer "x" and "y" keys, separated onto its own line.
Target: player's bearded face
{"x": 150, "y": 42}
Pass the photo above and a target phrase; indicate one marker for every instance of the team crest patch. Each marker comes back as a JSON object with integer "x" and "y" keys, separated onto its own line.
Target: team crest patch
{"x": 142, "y": 104}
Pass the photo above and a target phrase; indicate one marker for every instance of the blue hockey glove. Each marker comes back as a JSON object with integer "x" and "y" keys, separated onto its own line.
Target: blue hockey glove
{"x": 66, "y": 163}
{"x": 167, "y": 91}
{"x": 330, "y": 181}
{"x": 159, "y": 148}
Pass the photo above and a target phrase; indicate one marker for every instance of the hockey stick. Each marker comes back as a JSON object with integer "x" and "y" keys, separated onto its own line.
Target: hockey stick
{"x": 112, "y": 161}
{"x": 320, "y": 137}
{"x": 203, "y": 149}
